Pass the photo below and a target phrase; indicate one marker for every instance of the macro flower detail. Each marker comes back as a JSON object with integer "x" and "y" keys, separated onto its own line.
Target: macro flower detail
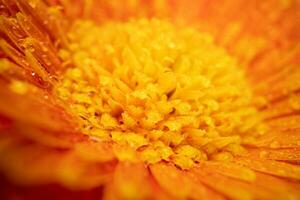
{"x": 149, "y": 99}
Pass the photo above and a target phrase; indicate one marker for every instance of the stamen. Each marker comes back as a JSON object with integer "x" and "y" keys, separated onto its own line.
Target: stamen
{"x": 169, "y": 93}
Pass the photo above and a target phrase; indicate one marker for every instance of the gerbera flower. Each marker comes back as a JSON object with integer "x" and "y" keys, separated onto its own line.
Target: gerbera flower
{"x": 158, "y": 99}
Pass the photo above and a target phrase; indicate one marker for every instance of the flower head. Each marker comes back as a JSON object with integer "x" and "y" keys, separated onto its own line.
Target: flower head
{"x": 149, "y": 100}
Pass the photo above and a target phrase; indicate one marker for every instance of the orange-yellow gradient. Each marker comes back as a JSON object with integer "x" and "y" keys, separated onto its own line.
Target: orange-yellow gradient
{"x": 150, "y": 99}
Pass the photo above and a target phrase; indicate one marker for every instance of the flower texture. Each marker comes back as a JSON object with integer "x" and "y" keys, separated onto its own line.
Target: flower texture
{"x": 156, "y": 99}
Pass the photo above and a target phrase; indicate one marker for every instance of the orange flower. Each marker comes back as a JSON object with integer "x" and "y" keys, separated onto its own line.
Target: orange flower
{"x": 157, "y": 99}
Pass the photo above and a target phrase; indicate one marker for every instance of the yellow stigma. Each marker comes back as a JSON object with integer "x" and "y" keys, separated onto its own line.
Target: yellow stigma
{"x": 165, "y": 92}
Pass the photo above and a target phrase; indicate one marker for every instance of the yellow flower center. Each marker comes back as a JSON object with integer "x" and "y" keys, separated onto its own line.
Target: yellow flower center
{"x": 164, "y": 92}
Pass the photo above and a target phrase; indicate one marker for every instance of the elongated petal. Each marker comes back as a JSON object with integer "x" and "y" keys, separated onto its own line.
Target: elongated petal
{"x": 130, "y": 181}
{"x": 38, "y": 109}
{"x": 279, "y": 139}
{"x": 276, "y": 168}
{"x": 287, "y": 155}
{"x": 230, "y": 169}
{"x": 171, "y": 178}
{"x": 27, "y": 163}
{"x": 235, "y": 189}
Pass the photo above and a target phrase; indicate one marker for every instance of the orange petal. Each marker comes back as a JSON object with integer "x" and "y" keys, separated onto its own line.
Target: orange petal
{"x": 288, "y": 155}
{"x": 232, "y": 188}
{"x": 285, "y": 123}
{"x": 49, "y": 20}
{"x": 95, "y": 151}
{"x": 288, "y": 190}
{"x": 181, "y": 184}
{"x": 26, "y": 163}
{"x": 289, "y": 84}
{"x": 230, "y": 169}
{"x": 14, "y": 54}
{"x": 12, "y": 30}
{"x": 279, "y": 139}
{"x": 130, "y": 181}
{"x": 36, "y": 109}
{"x": 284, "y": 107}
{"x": 14, "y": 71}
{"x": 271, "y": 167}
